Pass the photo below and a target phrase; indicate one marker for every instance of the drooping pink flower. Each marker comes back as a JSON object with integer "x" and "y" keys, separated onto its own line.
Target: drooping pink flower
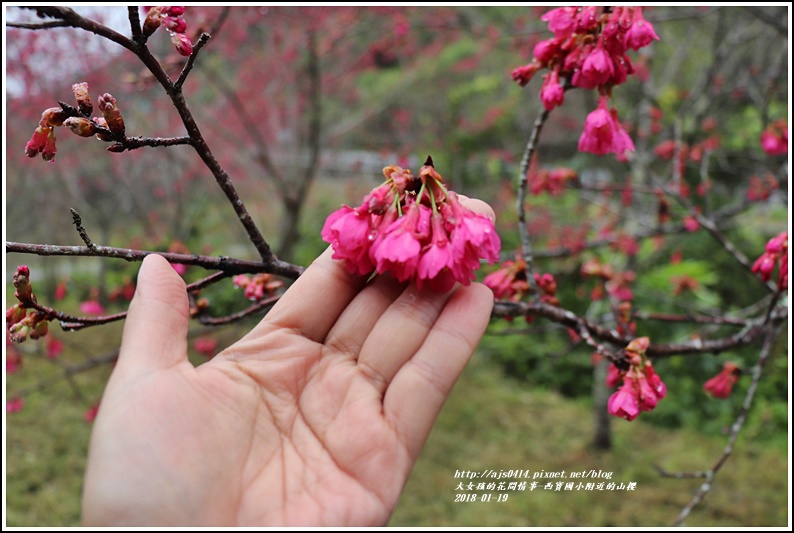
{"x": 774, "y": 139}
{"x": 603, "y": 133}
{"x": 396, "y": 250}
{"x": 776, "y": 252}
{"x": 625, "y": 403}
{"x": 350, "y": 233}
{"x": 641, "y": 32}
{"x": 552, "y": 94}
{"x": 523, "y": 75}
{"x": 721, "y": 385}
{"x": 437, "y": 256}
{"x": 561, "y": 21}
{"x": 597, "y": 69}
{"x": 415, "y": 229}
{"x": 598, "y": 134}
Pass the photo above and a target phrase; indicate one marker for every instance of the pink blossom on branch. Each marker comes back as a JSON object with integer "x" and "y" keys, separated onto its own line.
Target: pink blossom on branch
{"x": 776, "y": 253}
{"x": 642, "y": 388}
{"x": 774, "y": 139}
{"x": 721, "y": 385}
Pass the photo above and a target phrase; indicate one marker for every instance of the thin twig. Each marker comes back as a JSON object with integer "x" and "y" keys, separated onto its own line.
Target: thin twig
{"x": 523, "y": 231}
{"x": 77, "y": 221}
{"x": 234, "y": 317}
{"x": 222, "y": 263}
{"x": 205, "y": 37}
{"x": 736, "y": 428}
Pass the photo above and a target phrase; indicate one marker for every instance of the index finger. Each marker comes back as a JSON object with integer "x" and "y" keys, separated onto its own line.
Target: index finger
{"x": 314, "y": 302}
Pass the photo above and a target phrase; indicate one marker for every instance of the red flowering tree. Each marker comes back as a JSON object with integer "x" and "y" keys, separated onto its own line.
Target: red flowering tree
{"x": 666, "y": 179}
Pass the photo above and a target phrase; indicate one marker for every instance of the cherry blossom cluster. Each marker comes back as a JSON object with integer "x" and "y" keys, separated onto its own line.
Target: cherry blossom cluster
{"x": 776, "y": 253}
{"x": 414, "y": 228}
{"x": 171, "y": 18}
{"x": 761, "y": 188}
{"x": 589, "y": 50}
{"x": 551, "y": 181}
{"x": 21, "y": 321}
{"x": 721, "y": 385}
{"x": 78, "y": 121}
{"x": 642, "y": 387}
{"x": 510, "y": 283}
{"x": 257, "y": 287}
{"x": 774, "y": 139}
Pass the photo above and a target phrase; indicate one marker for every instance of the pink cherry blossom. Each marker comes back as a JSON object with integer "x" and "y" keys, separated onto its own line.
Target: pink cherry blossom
{"x": 721, "y": 385}
{"x": 624, "y": 403}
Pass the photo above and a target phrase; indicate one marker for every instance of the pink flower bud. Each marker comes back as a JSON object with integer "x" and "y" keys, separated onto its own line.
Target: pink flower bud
{"x": 48, "y": 154}
{"x": 175, "y": 11}
{"x": 176, "y": 25}
{"x": 80, "y": 126}
{"x": 111, "y": 113}
{"x": 54, "y": 116}
{"x": 152, "y": 20}
{"x": 182, "y": 43}
{"x": 80, "y": 91}
{"x": 523, "y": 75}
{"x": 39, "y": 330}
{"x": 24, "y": 291}
{"x": 37, "y": 142}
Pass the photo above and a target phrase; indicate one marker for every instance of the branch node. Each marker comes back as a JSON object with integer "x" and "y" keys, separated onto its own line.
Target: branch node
{"x": 78, "y": 222}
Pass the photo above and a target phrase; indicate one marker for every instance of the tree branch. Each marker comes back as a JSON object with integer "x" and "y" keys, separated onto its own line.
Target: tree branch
{"x": 222, "y": 263}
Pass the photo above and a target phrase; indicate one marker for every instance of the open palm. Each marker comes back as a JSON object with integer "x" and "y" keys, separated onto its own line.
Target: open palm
{"x": 316, "y": 417}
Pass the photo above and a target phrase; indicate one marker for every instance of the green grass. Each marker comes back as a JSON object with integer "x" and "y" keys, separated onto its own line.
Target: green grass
{"x": 489, "y": 422}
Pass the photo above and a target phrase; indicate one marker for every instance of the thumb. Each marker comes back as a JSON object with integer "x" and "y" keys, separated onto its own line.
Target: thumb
{"x": 155, "y": 332}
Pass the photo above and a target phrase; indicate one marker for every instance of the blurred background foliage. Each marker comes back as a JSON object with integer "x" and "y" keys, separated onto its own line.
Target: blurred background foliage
{"x": 393, "y": 85}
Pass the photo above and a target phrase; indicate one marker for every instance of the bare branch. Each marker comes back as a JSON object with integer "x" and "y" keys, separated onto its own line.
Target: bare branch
{"x": 526, "y": 244}
{"x": 736, "y": 427}
{"x": 222, "y": 263}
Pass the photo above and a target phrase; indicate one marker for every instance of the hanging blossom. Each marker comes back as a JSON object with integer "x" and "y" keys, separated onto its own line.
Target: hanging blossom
{"x": 589, "y": 50}
{"x": 721, "y": 385}
{"x": 774, "y": 139}
{"x": 415, "y": 229}
{"x": 510, "y": 283}
{"x": 776, "y": 253}
{"x": 171, "y": 18}
{"x": 642, "y": 387}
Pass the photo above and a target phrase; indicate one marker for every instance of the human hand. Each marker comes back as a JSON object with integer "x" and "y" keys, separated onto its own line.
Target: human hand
{"x": 315, "y": 417}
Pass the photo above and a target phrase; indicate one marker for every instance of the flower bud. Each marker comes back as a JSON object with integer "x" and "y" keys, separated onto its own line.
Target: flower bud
{"x": 39, "y": 330}
{"x": 80, "y": 126}
{"x": 37, "y": 142}
{"x": 182, "y": 43}
{"x": 48, "y": 154}
{"x": 175, "y": 11}
{"x": 24, "y": 291}
{"x": 116, "y": 148}
{"x": 107, "y": 104}
{"x": 54, "y": 116}
{"x": 80, "y": 91}
{"x": 152, "y": 20}
{"x": 176, "y": 25}
{"x": 15, "y": 314}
